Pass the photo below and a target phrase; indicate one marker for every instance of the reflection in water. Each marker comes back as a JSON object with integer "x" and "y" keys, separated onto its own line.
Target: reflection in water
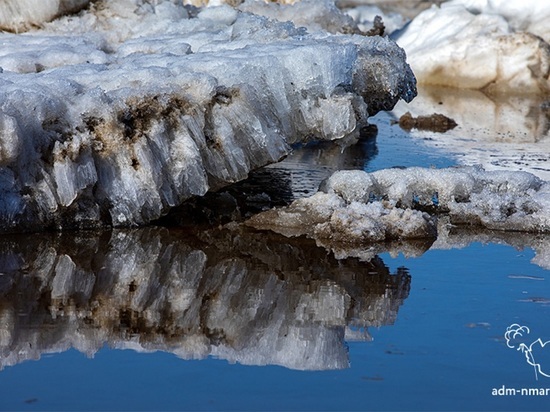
{"x": 457, "y": 237}
{"x": 244, "y": 297}
{"x": 504, "y": 132}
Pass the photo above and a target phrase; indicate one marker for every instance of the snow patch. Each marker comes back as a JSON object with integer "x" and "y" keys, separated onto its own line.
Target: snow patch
{"x": 355, "y": 206}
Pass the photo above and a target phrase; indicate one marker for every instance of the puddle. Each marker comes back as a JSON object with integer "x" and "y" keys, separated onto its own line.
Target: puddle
{"x": 499, "y": 132}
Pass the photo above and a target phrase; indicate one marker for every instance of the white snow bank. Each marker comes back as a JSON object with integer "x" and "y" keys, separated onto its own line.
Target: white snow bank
{"x": 451, "y": 46}
{"x": 145, "y": 107}
{"x": 21, "y": 15}
{"x": 510, "y": 132}
{"x": 355, "y": 206}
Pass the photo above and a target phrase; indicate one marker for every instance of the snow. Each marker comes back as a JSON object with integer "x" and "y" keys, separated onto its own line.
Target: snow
{"x": 115, "y": 115}
{"x": 355, "y": 207}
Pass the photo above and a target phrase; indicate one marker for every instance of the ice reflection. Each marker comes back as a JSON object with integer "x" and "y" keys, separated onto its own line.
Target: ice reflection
{"x": 448, "y": 237}
{"x": 245, "y": 297}
{"x": 499, "y": 132}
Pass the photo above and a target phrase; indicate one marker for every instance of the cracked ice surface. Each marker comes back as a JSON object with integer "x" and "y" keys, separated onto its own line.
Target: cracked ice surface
{"x": 122, "y": 112}
{"x": 355, "y": 206}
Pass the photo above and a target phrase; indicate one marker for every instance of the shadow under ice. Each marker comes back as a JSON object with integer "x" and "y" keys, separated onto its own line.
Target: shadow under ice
{"x": 245, "y": 297}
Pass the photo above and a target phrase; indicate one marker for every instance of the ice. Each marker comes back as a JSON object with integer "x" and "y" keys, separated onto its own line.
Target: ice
{"x": 523, "y": 15}
{"x": 355, "y": 207}
{"x": 247, "y": 299}
{"x": 364, "y": 16}
{"x": 119, "y": 113}
{"x": 478, "y": 49}
{"x": 315, "y": 15}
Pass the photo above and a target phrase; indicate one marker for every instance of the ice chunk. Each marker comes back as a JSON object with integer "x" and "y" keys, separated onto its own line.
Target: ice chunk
{"x": 147, "y": 107}
{"x": 404, "y": 203}
{"x": 365, "y": 15}
{"x": 523, "y": 15}
{"x": 20, "y": 15}
{"x": 451, "y": 46}
{"x": 326, "y": 216}
{"x": 315, "y": 15}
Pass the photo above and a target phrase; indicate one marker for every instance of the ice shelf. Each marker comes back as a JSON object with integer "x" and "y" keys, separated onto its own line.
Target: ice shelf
{"x": 117, "y": 114}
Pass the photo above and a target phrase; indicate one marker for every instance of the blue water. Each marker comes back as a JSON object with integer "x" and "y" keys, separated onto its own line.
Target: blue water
{"x": 446, "y": 351}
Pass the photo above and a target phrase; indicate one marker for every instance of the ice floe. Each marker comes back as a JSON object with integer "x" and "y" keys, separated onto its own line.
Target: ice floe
{"x": 117, "y": 114}
{"x": 355, "y": 206}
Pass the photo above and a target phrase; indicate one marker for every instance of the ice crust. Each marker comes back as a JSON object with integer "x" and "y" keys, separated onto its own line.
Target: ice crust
{"x": 250, "y": 299}
{"x": 122, "y": 112}
{"x": 355, "y": 206}
{"x": 471, "y": 44}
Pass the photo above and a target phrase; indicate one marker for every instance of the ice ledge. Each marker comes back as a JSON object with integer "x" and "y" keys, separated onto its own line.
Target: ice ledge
{"x": 118, "y": 138}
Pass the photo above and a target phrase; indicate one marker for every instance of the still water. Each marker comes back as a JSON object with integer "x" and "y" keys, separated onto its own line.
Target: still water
{"x": 175, "y": 318}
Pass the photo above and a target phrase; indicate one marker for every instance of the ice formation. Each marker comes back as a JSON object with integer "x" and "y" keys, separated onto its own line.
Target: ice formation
{"x": 248, "y": 299}
{"x": 477, "y": 48}
{"x": 364, "y": 16}
{"x": 118, "y": 114}
{"x": 522, "y": 15}
{"x": 355, "y": 206}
